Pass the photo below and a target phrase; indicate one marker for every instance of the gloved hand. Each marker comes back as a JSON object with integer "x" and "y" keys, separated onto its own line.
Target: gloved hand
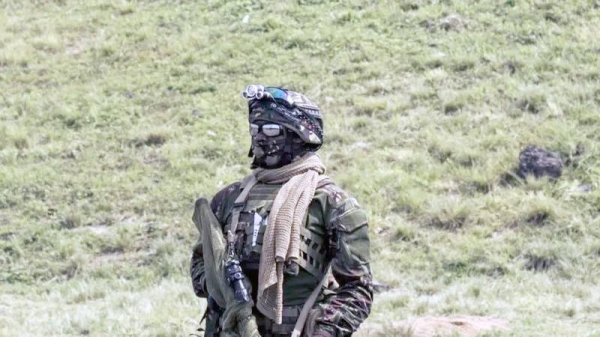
{"x": 321, "y": 334}
{"x": 210, "y": 302}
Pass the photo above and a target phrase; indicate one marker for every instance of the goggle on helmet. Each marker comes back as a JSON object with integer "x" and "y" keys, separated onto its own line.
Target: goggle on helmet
{"x": 289, "y": 108}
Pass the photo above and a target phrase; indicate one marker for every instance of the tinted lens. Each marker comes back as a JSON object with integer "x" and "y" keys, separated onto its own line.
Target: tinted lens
{"x": 271, "y": 130}
{"x": 276, "y": 93}
{"x": 254, "y": 129}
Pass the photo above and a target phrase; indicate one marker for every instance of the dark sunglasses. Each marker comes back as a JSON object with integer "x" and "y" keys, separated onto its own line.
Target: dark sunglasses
{"x": 270, "y": 130}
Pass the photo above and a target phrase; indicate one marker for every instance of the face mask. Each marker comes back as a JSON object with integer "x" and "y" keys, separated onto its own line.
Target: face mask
{"x": 268, "y": 144}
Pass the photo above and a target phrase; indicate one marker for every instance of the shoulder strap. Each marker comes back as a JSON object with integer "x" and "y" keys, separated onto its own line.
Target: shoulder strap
{"x": 324, "y": 181}
{"x": 238, "y": 205}
{"x": 310, "y": 302}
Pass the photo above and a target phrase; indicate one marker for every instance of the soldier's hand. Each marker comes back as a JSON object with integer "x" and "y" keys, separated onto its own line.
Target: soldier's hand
{"x": 321, "y": 334}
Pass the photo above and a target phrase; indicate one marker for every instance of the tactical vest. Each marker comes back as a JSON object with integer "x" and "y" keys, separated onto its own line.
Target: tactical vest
{"x": 252, "y": 222}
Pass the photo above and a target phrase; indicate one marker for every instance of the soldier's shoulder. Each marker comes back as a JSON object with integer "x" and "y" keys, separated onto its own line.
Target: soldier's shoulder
{"x": 230, "y": 192}
{"x": 336, "y": 196}
{"x": 342, "y": 209}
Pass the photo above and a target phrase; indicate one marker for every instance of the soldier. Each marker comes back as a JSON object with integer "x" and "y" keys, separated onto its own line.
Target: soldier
{"x": 301, "y": 241}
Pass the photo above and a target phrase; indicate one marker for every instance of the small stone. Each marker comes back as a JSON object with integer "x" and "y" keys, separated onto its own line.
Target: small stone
{"x": 510, "y": 67}
{"x": 579, "y": 149}
{"x": 151, "y": 227}
{"x": 426, "y": 24}
{"x": 6, "y": 236}
{"x": 585, "y": 188}
{"x": 246, "y": 19}
{"x": 379, "y": 287}
{"x": 72, "y": 154}
{"x": 539, "y": 162}
{"x": 381, "y": 231}
{"x": 439, "y": 54}
{"x": 360, "y": 146}
{"x": 453, "y": 22}
{"x": 196, "y": 113}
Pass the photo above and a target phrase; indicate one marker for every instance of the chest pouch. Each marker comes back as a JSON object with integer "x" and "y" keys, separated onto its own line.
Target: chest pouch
{"x": 313, "y": 253}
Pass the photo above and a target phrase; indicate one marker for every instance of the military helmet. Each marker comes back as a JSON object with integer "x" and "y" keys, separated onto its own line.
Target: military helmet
{"x": 288, "y": 108}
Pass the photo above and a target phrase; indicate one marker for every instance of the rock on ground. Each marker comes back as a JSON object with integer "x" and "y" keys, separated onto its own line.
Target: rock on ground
{"x": 453, "y": 22}
{"x": 539, "y": 162}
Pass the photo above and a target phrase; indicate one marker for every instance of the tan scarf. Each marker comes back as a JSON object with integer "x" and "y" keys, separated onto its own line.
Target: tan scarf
{"x": 281, "y": 242}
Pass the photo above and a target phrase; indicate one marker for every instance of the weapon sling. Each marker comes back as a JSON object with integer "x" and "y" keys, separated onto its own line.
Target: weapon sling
{"x": 238, "y": 206}
{"x": 309, "y": 304}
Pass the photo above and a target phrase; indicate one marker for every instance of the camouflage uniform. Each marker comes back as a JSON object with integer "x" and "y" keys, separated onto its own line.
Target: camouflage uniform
{"x": 335, "y": 220}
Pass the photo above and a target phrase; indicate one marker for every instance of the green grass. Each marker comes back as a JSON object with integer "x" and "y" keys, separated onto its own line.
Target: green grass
{"x": 116, "y": 116}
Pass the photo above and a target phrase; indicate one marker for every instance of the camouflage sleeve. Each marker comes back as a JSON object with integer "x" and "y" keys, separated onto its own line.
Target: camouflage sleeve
{"x": 218, "y": 205}
{"x": 351, "y": 303}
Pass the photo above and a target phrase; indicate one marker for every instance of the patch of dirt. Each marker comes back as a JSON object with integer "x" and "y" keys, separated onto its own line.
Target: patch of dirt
{"x": 82, "y": 44}
{"x": 456, "y": 325}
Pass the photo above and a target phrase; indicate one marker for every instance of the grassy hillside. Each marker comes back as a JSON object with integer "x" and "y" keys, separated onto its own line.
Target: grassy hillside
{"x": 116, "y": 115}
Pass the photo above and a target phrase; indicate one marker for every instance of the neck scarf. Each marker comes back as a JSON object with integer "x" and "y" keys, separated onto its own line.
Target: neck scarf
{"x": 282, "y": 236}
